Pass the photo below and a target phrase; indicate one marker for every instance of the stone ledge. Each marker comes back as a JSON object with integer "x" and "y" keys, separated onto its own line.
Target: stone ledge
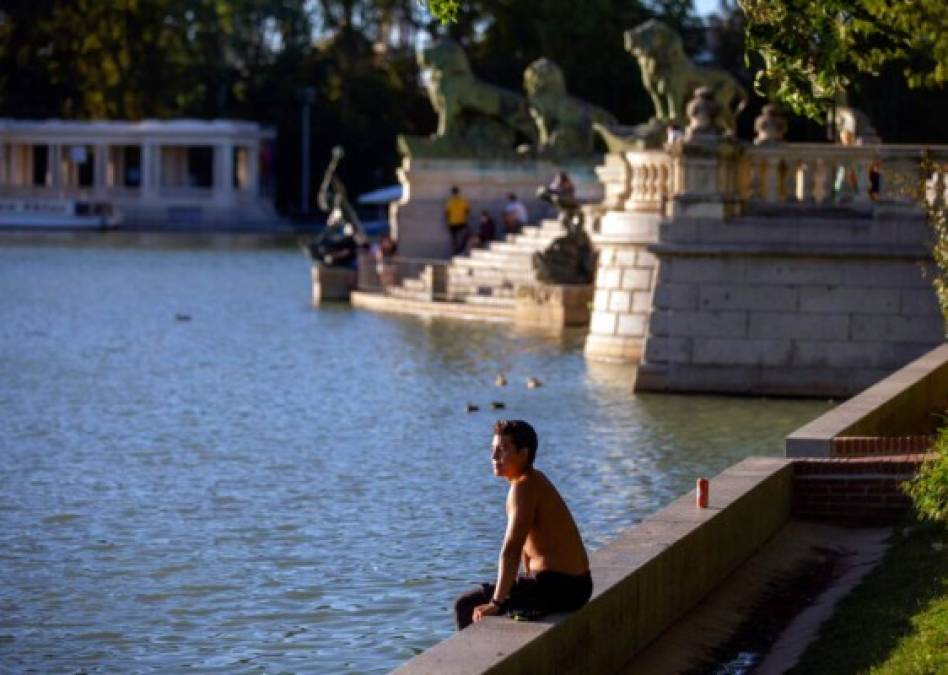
{"x": 644, "y": 580}
{"x": 793, "y": 250}
{"x": 897, "y": 405}
{"x": 454, "y": 310}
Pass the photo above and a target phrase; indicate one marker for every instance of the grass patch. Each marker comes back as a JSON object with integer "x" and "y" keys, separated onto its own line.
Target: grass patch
{"x": 896, "y": 620}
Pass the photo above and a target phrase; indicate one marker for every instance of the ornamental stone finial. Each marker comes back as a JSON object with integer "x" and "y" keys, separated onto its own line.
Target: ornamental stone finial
{"x": 770, "y": 126}
{"x": 703, "y": 111}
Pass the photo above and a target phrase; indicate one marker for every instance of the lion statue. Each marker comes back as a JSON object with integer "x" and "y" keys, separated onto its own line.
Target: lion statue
{"x": 564, "y": 123}
{"x": 670, "y": 78}
{"x": 474, "y": 118}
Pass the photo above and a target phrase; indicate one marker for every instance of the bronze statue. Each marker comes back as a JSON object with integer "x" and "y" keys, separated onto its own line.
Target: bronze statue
{"x": 671, "y": 78}
{"x": 564, "y": 123}
{"x": 475, "y": 119}
{"x": 569, "y": 259}
{"x": 337, "y": 244}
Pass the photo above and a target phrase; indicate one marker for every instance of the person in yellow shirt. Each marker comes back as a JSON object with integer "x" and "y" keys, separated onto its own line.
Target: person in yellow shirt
{"x": 456, "y": 212}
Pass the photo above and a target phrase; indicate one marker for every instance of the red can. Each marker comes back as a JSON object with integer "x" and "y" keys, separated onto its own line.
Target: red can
{"x": 701, "y": 498}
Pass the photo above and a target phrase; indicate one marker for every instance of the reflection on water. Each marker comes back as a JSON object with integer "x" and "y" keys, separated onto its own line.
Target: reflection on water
{"x": 271, "y": 487}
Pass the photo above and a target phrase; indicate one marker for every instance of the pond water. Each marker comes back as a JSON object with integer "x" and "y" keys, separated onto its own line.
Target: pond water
{"x": 266, "y": 486}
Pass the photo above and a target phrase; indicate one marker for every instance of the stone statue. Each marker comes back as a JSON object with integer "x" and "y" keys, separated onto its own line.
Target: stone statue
{"x": 569, "y": 259}
{"x": 336, "y": 245}
{"x": 770, "y": 126}
{"x": 670, "y": 78}
{"x": 475, "y": 119}
{"x": 563, "y": 122}
{"x": 852, "y": 125}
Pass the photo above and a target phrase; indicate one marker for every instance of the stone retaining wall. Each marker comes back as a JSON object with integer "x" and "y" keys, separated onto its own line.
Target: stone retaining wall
{"x": 907, "y": 402}
{"x": 814, "y": 306}
{"x": 644, "y": 580}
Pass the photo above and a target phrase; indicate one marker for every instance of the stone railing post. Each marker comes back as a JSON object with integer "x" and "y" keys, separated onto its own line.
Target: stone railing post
{"x": 614, "y": 174}
{"x": 705, "y": 165}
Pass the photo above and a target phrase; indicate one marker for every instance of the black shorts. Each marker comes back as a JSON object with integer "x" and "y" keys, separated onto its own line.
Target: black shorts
{"x": 544, "y": 593}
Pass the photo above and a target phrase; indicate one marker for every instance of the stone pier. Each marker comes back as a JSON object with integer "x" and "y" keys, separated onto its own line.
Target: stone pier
{"x": 636, "y": 187}
{"x": 777, "y": 269}
{"x": 625, "y": 279}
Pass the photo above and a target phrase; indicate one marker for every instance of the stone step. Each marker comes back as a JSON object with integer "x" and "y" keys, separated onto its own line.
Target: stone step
{"x": 407, "y": 293}
{"x": 551, "y": 225}
{"x": 518, "y": 247}
{"x": 498, "y": 286}
{"x": 484, "y": 300}
{"x": 500, "y": 259}
{"x": 463, "y": 295}
{"x": 414, "y": 284}
{"x": 534, "y": 238}
{"x": 472, "y": 270}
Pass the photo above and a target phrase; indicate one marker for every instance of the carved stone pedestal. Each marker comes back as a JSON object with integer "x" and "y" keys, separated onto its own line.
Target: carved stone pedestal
{"x": 332, "y": 283}
{"x": 553, "y": 306}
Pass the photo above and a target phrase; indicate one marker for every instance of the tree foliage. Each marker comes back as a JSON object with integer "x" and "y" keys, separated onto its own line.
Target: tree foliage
{"x": 814, "y": 50}
{"x": 250, "y": 59}
{"x": 929, "y": 489}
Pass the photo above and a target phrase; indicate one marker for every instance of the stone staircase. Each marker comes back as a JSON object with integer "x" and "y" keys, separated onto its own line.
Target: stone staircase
{"x": 487, "y": 276}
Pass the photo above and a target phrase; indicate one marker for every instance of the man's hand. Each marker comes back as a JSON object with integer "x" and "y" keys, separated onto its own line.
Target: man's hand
{"x": 490, "y": 609}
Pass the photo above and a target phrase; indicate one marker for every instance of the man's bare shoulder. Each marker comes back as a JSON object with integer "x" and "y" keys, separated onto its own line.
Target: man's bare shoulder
{"x": 527, "y": 486}
{"x": 530, "y": 486}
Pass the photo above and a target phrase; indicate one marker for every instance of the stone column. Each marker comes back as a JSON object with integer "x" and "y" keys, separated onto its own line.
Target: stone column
{"x": 100, "y": 162}
{"x": 253, "y": 169}
{"x": 625, "y": 276}
{"x": 54, "y": 163}
{"x": 16, "y": 165}
{"x": 151, "y": 172}
{"x": 224, "y": 173}
{"x": 625, "y": 269}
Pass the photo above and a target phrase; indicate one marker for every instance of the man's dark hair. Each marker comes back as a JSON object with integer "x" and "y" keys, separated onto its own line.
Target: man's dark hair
{"x": 454, "y": 189}
{"x": 521, "y": 433}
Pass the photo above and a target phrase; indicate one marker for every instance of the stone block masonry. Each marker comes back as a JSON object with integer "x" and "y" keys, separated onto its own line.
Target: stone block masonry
{"x": 625, "y": 281}
{"x": 788, "y": 305}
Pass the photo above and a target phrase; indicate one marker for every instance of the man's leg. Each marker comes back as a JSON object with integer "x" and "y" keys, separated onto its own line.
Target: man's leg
{"x": 465, "y": 604}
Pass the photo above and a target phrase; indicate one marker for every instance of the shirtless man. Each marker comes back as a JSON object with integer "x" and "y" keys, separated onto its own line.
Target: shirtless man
{"x": 541, "y": 534}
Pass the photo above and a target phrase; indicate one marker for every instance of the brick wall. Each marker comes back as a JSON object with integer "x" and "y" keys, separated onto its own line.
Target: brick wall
{"x": 865, "y": 491}
{"x": 868, "y": 446}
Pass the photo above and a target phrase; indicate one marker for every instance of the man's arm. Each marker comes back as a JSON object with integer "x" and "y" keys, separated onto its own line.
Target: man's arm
{"x": 521, "y": 505}
{"x": 520, "y": 509}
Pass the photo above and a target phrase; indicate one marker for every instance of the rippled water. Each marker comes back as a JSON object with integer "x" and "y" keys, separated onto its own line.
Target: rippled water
{"x": 271, "y": 487}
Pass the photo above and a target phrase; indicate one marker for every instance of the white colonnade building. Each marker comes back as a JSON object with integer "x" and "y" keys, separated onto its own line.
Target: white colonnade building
{"x": 158, "y": 173}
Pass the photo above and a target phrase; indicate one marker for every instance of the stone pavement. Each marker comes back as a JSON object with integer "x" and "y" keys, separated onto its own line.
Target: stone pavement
{"x": 693, "y": 640}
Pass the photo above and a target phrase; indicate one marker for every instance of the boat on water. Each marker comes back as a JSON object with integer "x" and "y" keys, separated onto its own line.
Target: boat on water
{"x": 73, "y": 214}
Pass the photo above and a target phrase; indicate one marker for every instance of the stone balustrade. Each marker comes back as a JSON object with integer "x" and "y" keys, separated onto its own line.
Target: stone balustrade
{"x": 816, "y": 174}
{"x": 780, "y": 268}
{"x": 823, "y": 174}
{"x": 650, "y": 180}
